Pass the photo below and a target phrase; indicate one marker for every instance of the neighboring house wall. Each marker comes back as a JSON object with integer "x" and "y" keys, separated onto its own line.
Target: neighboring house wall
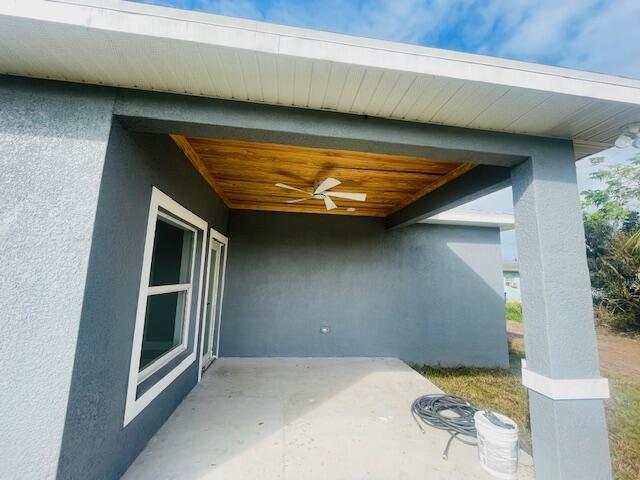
{"x": 53, "y": 139}
{"x": 511, "y": 286}
{"x": 94, "y": 438}
{"x": 427, "y": 293}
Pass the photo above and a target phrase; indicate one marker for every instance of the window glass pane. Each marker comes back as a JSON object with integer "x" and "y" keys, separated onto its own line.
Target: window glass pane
{"x": 223, "y": 253}
{"x": 171, "y": 260}
{"x": 163, "y": 325}
{"x": 211, "y": 303}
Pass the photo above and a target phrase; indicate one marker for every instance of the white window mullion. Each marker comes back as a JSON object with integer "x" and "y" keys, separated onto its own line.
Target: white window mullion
{"x": 175, "y": 221}
{"x": 160, "y": 289}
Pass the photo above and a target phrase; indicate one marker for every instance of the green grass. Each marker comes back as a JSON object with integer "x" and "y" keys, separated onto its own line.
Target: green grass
{"x": 514, "y": 311}
{"x": 501, "y": 390}
{"x": 489, "y": 388}
{"x": 623, "y": 420}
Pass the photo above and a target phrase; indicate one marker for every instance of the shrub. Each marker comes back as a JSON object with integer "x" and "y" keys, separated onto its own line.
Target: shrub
{"x": 514, "y": 311}
{"x": 616, "y": 282}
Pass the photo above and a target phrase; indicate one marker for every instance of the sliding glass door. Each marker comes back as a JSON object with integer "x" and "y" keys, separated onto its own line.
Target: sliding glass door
{"x": 213, "y": 305}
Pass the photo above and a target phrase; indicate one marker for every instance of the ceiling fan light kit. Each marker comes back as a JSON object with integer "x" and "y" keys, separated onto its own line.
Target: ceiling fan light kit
{"x": 322, "y": 192}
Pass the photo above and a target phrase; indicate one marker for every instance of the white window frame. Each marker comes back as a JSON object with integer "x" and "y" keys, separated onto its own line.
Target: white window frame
{"x": 214, "y": 236}
{"x": 164, "y": 359}
{"x": 195, "y": 224}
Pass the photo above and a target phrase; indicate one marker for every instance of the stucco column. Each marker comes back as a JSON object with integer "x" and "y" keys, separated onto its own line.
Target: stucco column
{"x": 569, "y": 436}
{"x": 53, "y": 141}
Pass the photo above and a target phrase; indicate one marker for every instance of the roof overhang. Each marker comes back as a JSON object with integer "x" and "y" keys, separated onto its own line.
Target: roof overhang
{"x": 510, "y": 267}
{"x": 473, "y": 218}
{"x": 147, "y": 47}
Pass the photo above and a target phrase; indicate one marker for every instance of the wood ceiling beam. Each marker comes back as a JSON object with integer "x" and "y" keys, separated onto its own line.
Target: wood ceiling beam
{"x": 360, "y": 211}
{"x": 239, "y": 199}
{"x": 319, "y": 156}
{"x": 349, "y": 183}
{"x": 222, "y": 166}
{"x": 444, "y": 179}
{"x": 184, "y": 145}
{"x": 244, "y": 175}
{"x": 245, "y": 183}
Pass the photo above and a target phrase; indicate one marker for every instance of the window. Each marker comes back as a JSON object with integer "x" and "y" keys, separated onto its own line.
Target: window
{"x": 169, "y": 292}
{"x": 166, "y": 328}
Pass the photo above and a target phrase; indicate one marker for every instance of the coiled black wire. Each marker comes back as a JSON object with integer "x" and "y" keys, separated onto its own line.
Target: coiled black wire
{"x": 446, "y": 412}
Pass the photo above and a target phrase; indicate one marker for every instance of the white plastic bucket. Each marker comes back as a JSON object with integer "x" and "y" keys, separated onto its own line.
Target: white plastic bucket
{"x": 497, "y": 446}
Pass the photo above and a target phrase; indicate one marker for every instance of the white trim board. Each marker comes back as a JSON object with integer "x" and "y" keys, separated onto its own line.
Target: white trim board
{"x": 473, "y": 218}
{"x": 224, "y": 276}
{"x": 133, "y": 405}
{"x": 214, "y": 235}
{"x": 218, "y": 248}
{"x": 565, "y": 389}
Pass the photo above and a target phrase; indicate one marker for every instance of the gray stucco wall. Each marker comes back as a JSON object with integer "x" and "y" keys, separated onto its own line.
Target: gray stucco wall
{"x": 427, "y": 294}
{"x": 53, "y": 139}
{"x": 94, "y": 438}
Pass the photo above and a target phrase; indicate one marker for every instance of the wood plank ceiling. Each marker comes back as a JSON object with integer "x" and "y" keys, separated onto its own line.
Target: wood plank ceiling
{"x": 245, "y": 174}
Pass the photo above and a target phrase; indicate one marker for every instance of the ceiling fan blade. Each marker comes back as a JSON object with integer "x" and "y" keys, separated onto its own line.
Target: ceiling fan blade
{"x": 358, "y": 197}
{"x": 329, "y": 203}
{"x": 326, "y": 184}
{"x": 289, "y": 187}
{"x": 299, "y": 200}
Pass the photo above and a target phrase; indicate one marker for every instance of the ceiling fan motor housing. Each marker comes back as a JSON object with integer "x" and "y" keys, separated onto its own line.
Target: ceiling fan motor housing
{"x": 321, "y": 192}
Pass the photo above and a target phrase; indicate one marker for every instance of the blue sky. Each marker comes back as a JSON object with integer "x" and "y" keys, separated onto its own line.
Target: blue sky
{"x": 595, "y": 35}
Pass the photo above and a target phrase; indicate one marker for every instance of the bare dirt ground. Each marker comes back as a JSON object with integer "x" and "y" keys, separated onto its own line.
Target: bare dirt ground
{"x": 619, "y": 355}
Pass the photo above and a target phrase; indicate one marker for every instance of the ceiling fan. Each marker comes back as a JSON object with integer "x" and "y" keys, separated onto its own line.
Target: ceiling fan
{"x": 321, "y": 192}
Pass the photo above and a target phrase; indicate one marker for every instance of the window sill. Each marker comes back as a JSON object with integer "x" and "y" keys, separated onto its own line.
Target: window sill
{"x": 160, "y": 362}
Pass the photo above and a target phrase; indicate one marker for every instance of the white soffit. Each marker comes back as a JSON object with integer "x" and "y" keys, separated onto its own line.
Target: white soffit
{"x": 473, "y": 218}
{"x": 148, "y": 47}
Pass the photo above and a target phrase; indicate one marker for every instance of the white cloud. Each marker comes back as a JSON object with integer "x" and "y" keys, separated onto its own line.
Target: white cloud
{"x": 236, "y": 8}
{"x": 609, "y": 41}
{"x": 399, "y": 20}
{"x": 598, "y": 35}
{"x": 585, "y": 34}
{"x": 543, "y": 26}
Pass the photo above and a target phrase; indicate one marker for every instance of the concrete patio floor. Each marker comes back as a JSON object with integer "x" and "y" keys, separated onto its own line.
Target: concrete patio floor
{"x": 302, "y": 418}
